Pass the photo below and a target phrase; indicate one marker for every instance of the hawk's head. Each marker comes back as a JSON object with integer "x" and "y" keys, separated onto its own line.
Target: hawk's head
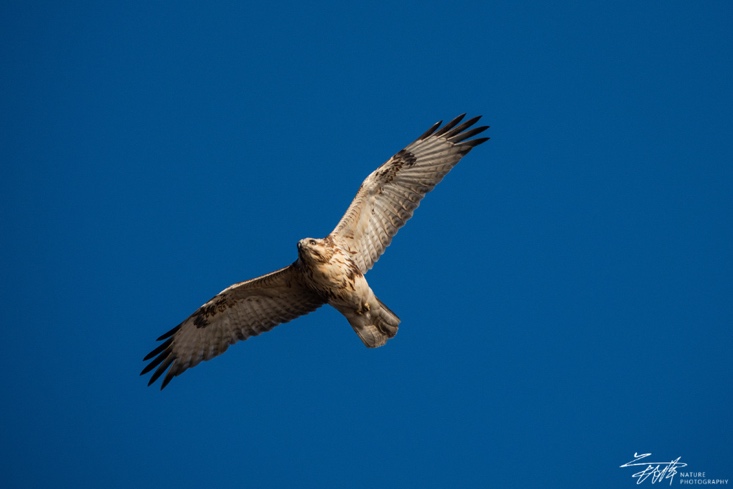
{"x": 315, "y": 250}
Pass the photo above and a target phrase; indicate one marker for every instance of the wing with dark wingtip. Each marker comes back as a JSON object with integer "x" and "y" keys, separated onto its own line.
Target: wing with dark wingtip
{"x": 238, "y": 312}
{"x": 388, "y": 197}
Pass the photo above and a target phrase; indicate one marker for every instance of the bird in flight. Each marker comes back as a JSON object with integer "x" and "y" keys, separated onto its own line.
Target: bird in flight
{"x": 328, "y": 270}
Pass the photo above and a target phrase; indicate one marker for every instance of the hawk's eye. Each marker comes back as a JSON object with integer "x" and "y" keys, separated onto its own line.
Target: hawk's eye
{"x": 312, "y": 241}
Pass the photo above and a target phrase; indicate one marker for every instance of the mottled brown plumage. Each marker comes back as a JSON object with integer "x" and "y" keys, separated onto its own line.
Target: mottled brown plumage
{"x": 329, "y": 270}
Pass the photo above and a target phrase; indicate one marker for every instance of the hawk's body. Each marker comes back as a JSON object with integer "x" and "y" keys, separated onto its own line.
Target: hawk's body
{"x": 329, "y": 270}
{"x": 334, "y": 276}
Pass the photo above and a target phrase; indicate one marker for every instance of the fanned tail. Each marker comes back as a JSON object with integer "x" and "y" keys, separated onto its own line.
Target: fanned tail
{"x": 376, "y": 327}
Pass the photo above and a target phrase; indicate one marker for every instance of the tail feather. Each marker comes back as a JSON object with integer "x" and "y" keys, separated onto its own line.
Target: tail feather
{"x": 376, "y": 326}
{"x": 387, "y": 321}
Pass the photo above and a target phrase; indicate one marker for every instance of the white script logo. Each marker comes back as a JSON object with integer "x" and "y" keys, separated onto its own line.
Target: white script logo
{"x": 657, "y": 471}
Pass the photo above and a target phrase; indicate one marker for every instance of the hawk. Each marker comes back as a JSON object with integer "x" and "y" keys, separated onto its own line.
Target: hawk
{"x": 330, "y": 270}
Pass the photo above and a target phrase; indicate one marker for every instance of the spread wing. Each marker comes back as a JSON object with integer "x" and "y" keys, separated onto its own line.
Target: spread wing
{"x": 236, "y": 313}
{"x": 388, "y": 197}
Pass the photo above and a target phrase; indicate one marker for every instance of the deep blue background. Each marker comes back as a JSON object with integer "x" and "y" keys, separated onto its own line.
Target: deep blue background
{"x": 565, "y": 293}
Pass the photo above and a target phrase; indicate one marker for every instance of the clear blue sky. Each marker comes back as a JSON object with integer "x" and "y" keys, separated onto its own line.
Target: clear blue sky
{"x": 565, "y": 292}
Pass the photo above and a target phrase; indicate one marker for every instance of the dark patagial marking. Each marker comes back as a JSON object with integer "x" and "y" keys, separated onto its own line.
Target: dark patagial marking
{"x": 403, "y": 158}
{"x": 201, "y": 317}
{"x": 407, "y": 157}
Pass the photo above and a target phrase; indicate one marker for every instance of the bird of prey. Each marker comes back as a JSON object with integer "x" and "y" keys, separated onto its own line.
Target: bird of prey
{"x": 329, "y": 270}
